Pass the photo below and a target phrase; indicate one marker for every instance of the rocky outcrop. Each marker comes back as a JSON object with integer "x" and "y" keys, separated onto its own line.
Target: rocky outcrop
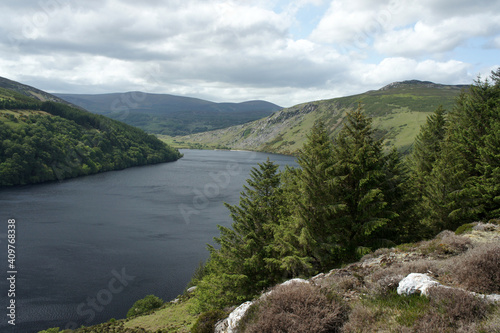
{"x": 422, "y": 283}
{"x": 230, "y": 324}
{"x": 416, "y": 283}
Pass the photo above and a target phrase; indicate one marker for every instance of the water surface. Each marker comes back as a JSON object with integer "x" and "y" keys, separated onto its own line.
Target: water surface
{"x": 88, "y": 248}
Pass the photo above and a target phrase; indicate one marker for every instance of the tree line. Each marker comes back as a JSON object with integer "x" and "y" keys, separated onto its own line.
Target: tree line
{"x": 349, "y": 197}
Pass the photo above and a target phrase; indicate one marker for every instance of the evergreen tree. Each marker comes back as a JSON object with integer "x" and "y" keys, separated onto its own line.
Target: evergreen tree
{"x": 397, "y": 188}
{"x": 430, "y": 197}
{"x": 239, "y": 269}
{"x": 427, "y": 147}
{"x": 358, "y": 183}
{"x": 463, "y": 185}
{"x": 474, "y": 133}
{"x": 316, "y": 204}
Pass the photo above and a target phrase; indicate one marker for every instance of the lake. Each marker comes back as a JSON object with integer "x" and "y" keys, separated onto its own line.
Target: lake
{"x": 88, "y": 248}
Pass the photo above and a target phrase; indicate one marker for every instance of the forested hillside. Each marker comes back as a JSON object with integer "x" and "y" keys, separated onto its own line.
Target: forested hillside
{"x": 44, "y": 141}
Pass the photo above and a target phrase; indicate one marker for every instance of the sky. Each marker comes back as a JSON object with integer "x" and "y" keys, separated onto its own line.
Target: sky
{"x": 285, "y": 52}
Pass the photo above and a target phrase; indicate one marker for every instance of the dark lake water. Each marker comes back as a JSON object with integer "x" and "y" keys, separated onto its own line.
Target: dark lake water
{"x": 88, "y": 248}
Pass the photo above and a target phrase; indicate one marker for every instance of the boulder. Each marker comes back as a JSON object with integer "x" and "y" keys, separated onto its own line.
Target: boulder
{"x": 416, "y": 283}
{"x": 229, "y": 324}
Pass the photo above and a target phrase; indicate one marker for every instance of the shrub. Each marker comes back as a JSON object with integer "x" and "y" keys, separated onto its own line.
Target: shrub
{"x": 465, "y": 228}
{"x": 452, "y": 310}
{"x": 485, "y": 227}
{"x": 207, "y": 320}
{"x": 446, "y": 243}
{"x": 479, "y": 269}
{"x": 296, "y": 308}
{"x": 144, "y": 305}
{"x": 51, "y": 330}
{"x": 362, "y": 319}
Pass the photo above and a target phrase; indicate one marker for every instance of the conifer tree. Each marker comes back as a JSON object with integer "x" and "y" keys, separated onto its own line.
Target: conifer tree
{"x": 463, "y": 185}
{"x": 238, "y": 269}
{"x": 398, "y": 193}
{"x": 429, "y": 196}
{"x": 427, "y": 147}
{"x": 474, "y": 133}
{"x": 358, "y": 182}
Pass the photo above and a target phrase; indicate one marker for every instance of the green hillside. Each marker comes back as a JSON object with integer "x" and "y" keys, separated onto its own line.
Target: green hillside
{"x": 170, "y": 114}
{"x": 44, "y": 140}
{"x": 398, "y": 110}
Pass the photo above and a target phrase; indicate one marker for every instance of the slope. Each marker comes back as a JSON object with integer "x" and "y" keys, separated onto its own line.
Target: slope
{"x": 398, "y": 111}
{"x": 42, "y": 139}
{"x": 169, "y": 114}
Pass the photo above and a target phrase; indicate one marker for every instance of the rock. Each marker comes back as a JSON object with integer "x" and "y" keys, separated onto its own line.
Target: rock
{"x": 229, "y": 324}
{"x": 191, "y": 290}
{"x": 292, "y": 281}
{"x": 416, "y": 282}
{"x": 493, "y": 298}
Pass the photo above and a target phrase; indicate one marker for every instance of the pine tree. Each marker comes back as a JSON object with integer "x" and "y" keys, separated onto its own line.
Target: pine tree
{"x": 427, "y": 146}
{"x": 358, "y": 179}
{"x": 238, "y": 269}
{"x": 429, "y": 196}
{"x": 398, "y": 193}
{"x": 316, "y": 205}
{"x": 463, "y": 186}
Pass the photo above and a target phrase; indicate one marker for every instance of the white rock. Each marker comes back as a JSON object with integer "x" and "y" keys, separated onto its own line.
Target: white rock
{"x": 229, "y": 324}
{"x": 416, "y": 282}
{"x": 191, "y": 290}
{"x": 292, "y": 281}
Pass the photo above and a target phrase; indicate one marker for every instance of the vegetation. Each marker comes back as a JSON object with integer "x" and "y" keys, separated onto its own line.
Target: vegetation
{"x": 299, "y": 308}
{"x": 207, "y": 320}
{"x": 148, "y": 303}
{"x": 44, "y": 141}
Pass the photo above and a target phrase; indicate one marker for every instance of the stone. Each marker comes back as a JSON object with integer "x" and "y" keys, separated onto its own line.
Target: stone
{"x": 229, "y": 324}
{"x": 292, "y": 281}
{"x": 191, "y": 290}
{"x": 416, "y": 283}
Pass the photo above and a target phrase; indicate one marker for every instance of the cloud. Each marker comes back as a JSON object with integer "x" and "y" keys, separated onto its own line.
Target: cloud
{"x": 409, "y": 28}
{"x": 231, "y": 50}
{"x": 400, "y": 68}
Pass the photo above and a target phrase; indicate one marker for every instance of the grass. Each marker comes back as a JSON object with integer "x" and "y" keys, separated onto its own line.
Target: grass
{"x": 170, "y": 318}
{"x": 404, "y": 310}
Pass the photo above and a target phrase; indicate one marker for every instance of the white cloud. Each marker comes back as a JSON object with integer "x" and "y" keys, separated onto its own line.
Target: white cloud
{"x": 399, "y": 69}
{"x": 237, "y": 50}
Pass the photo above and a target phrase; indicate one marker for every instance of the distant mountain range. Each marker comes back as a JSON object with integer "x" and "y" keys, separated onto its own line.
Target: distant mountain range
{"x": 398, "y": 110}
{"x": 169, "y": 114}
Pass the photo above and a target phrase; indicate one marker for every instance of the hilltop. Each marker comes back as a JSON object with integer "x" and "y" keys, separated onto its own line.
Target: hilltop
{"x": 398, "y": 110}
{"x": 170, "y": 114}
{"x": 45, "y": 138}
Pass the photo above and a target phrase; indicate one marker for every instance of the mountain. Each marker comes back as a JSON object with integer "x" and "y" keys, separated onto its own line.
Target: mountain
{"x": 169, "y": 114}
{"x": 43, "y": 138}
{"x": 398, "y": 110}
